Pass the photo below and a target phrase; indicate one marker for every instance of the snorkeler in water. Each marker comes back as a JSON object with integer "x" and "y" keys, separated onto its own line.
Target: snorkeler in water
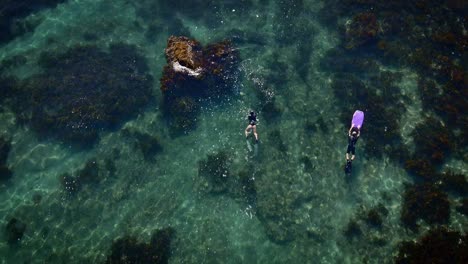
{"x": 353, "y": 135}
{"x": 252, "y": 126}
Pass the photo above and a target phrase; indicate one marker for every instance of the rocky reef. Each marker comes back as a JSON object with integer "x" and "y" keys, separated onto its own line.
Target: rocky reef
{"x": 382, "y": 103}
{"x": 148, "y": 144}
{"x": 436, "y": 246}
{"x": 427, "y": 202}
{"x": 215, "y": 172}
{"x": 129, "y": 250}
{"x": 5, "y": 147}
{"x": 70, "y": 101}
{"x": 195, "y": 75}
{"x": 91, "y": 174}
{"x": 12, "y": 16}
{"x": 363, "y": 28}
{"x": 15, "y": 230}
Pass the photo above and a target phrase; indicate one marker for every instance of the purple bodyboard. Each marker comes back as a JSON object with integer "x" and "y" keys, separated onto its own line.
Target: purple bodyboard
{"x": 358, "y": 119}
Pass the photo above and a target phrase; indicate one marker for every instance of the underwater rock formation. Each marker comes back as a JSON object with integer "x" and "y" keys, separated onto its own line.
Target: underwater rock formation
{"x": 421, "y": 168}
{"x": 436, "y": 246}
{"x": 184, "y": 55}
{"x": 91, "y": 173}
{"x": 432, "y": 140}
{"x": 70, "y": 184}
{"x": 12, "y": 13}
{"x": 428, "y": 36}
{"x": 5, "y": 147}
{"x": 194, "y": 75}
{"x": 214, "y": 172}
{"x": 382, "y": 110}
{"x": 374, "y": 218}
{"x": 85, "y": 91}
{"x": 129, "y": 250}
{"x": 463, "y": 208}
{"x": 426, "y": 202}
{"x": 361, "y": 29}
{"x": 454, "y": 182}
{"x": 149, "y": 145}
{"x": 352, "y": 230}
{"x": 15, "y": 230}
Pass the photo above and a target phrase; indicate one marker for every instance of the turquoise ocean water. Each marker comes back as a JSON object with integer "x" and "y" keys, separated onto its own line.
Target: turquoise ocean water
{"x": 294, "y": 203}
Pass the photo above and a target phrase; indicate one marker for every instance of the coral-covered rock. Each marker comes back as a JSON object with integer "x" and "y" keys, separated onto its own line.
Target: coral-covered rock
{"x": 275, "y": 214}
{"x": 15, "y": 230}
{"x": 454, "y": 182}
{"x": 5, "y": 147}
{"x": 14, "y": 11}
{"x": 352, "y": 230}
{"x": 363, "y": 28}
{"x": 195, "y": 74}
{"x": 463, "y": 208}
{"x": 86, "y": 90}
{"x": 374, "y": 218}
{"x": 437, "y": 246}
{"x": 214, "y": 172}
{"x": 383, "y": 111}
{"x": 184, "y": 52}
{"x": 89, "y": 173}
{"x": 5, "y": 173}
{"x": 427, "y": 202}
{"x": 71, "y": 185}
{"x": 129, "y": 250}
{"x": 421, "y": 168}
{"x": 149, "y": 145}
{"x": 432, "y": 140}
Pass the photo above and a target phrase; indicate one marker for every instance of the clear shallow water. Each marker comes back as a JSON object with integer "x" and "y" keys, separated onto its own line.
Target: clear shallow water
{"x": 307, "y": 203}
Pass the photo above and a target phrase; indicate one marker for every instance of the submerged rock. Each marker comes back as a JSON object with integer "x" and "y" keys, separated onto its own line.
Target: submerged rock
{"x": 185, "y": 55}
{"x": 148, "y": 144}
{"x": 12, "y": 13}
{"x": 437, "y": 246}
{"x": 463, "y": 208}
{"x": 129, "y": 250}
{"x": 195, "y": 75}
{"x": 352, "y": 230}
{"x": 84, "y": 91}
{"x": 214, "y": 172}
{"x": 15, "y": 230}
{"x": 5, "y": 147}
{"x": 427, "y": 202}
{"x": 361, "y": 29}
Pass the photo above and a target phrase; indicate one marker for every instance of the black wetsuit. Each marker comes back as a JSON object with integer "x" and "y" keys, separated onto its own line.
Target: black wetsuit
{"x": 351, "y": 145}
{"x": 252, "y": 119}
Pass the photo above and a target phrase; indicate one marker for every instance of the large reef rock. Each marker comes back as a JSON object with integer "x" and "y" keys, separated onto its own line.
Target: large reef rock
{"x": 129, "y": 250}
{"x": 427, "y": 202}
{"x": 436, "y": 246}
{"x": 12, "y": 16}
{"x": 184, "y": 55}
{"x": 195, "y": 75}
{"x": 5, "y": 147}
{"x": 84, "y": 91}
{"x": 363, "y": 28}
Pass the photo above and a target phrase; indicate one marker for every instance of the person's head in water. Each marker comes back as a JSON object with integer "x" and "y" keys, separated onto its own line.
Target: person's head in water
{"x": 354, "y": 131}
{"x": 252, "y": 113}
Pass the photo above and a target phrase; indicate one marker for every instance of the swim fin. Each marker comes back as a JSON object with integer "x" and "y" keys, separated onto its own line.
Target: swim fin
{"x": 348, "y": 167}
